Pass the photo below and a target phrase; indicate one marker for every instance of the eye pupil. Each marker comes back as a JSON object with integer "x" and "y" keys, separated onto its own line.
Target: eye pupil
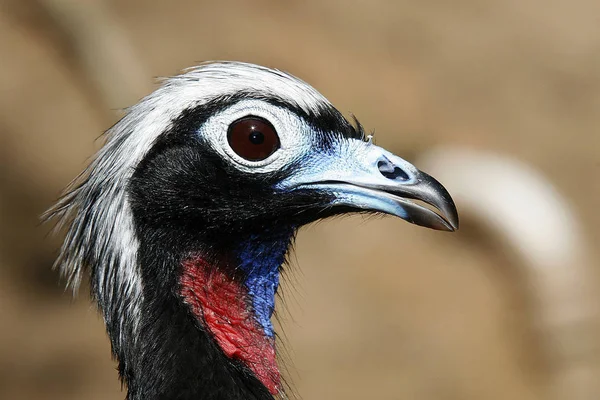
{"x": 253, "y": 138}
{"x": 257, "y": 138}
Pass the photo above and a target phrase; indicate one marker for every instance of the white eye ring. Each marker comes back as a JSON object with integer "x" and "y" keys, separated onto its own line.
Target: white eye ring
{"x": 295, "y": 136}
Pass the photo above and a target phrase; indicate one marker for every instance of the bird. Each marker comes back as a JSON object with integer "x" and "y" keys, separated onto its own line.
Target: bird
{"x": 184, "y": 219}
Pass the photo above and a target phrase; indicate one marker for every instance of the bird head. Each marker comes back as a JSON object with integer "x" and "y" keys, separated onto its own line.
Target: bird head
{"x": 185, "y": 216}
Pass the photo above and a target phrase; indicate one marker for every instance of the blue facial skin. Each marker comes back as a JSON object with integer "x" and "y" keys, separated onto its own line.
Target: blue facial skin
{"x": 260, "y": 259}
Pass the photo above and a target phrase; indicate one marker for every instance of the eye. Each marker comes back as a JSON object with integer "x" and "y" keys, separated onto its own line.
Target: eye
{"x": 253, "y": 138}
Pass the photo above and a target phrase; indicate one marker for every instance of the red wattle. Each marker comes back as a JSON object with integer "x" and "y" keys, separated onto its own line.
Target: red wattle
{"x": 222, "y": 304}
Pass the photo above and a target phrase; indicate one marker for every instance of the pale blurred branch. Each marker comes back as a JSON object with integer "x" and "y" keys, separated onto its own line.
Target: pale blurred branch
{"x": 527, "y": 214}
{"x": 103, "y": 49}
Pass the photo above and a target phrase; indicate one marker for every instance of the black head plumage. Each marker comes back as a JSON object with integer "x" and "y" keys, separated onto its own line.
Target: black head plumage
{"x": 184, "y": 231}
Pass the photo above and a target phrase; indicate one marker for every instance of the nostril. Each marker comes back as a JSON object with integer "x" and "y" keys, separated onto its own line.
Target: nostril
{"x": 391, "y": 171}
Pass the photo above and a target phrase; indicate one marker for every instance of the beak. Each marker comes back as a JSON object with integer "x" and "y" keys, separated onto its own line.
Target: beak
{"x": 366, "y": 177}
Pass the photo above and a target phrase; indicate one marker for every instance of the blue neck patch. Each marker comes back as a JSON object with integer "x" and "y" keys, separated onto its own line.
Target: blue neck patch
{"x": 260, "y": 259}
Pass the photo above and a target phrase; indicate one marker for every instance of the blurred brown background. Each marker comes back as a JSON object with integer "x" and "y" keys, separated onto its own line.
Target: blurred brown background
{"x": 376, "y": 308}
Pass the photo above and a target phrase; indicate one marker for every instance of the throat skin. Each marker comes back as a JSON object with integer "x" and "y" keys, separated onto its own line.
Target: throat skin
{"x": 223, "y": 306}
{"x": 205, "y": 332}
{"x": 235, "y": 300}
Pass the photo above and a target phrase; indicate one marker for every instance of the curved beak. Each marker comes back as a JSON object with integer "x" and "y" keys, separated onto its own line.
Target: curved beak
{"x": 366, "y": 177}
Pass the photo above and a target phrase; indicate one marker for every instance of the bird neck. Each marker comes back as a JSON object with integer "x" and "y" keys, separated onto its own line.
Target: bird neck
{"x": 215, "y": 335}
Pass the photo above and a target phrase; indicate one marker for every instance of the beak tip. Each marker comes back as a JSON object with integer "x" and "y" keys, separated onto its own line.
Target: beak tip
{"x": 451, "y": 217}
{"x": 453, "y": 227}
{"x": 447, "y": 225}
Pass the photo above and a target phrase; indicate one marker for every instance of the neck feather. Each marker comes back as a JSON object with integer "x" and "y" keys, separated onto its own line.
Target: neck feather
{"x": 205, "y": 329}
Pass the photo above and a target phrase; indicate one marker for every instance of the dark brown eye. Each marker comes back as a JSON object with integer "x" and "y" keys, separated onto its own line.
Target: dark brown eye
{"x": 253, "y": 138}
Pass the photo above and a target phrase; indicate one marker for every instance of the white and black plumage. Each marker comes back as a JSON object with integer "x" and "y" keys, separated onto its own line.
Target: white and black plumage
{"x": 185, "y": 216}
